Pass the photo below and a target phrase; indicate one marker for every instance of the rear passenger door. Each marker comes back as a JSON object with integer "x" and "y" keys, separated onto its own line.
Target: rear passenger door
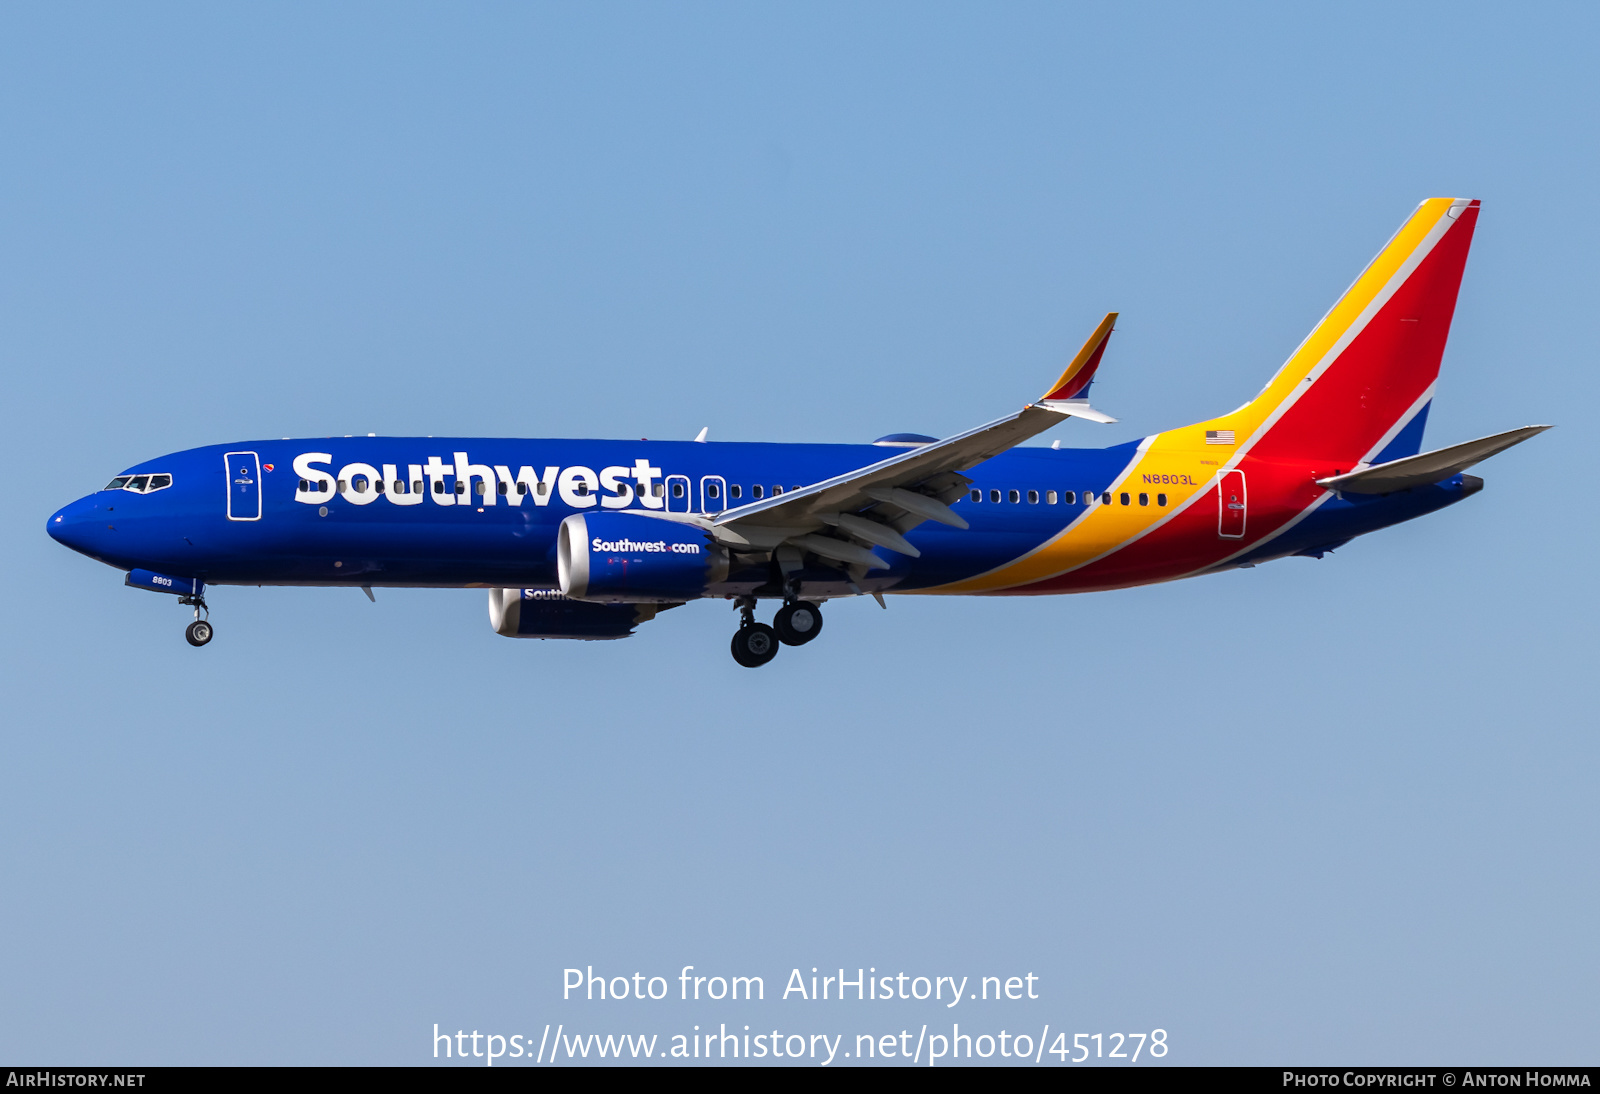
{"x": 1231, "y": 505}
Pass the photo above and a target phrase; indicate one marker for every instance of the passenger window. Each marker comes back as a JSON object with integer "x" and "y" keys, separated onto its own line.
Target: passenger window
{"x": 416, "y": 487}
{"x": 1049, "y": 497}
{"x": 438, "y": 486}
{"x": 323, "y": 489}
{"x": 1161, "y": 499}
{"x": 1124, "y": 499}
{"x": 1105, "y": 499}
{"x": 756, "y": 492}
{"x": 543, "y": 489}
{"x": 483, "y": 488}
{"x": 377, "y": 484}
{"x": 305, "y": 487}
{"x": 658, "y": 490}
{"x": 522, "y": 488}
{"x": 400, "y": 486}
{"x": 1033, "y": 497}
{"x": 677, "y": 489}
{"x": 1013, "y": 496}
{"x": 360, "y": 484}
{"x": 1070, "y": 497}
{"x": 1144, "y": 499}
{"x": 776, "y": 490}
{"x": 461, "y": 487}
{"x": 341, "y": 486}
{"x": 735, "y": 490}
{"x": 118, "y": 483}
{"x": 501, "y": 488}
{"x": 977, "y": 495}
{"x": 583, "y": 490}
{"x": 994, "y": 495}
{"x": 711, "y": 489}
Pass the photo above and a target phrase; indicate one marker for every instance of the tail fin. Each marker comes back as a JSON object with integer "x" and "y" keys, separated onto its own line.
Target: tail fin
{"x": 1357, "y": 390}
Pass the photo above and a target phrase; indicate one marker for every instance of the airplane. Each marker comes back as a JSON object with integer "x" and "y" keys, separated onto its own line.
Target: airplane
{"x": 587, "y": 539}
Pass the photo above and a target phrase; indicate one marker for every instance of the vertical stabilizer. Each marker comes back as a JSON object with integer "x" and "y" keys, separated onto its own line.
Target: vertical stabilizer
{"x": 1361, "y": 382}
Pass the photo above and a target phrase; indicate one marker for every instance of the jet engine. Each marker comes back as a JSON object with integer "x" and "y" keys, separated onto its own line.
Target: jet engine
{"x": 546, "y": 613}
{"x": 627, "y": 558}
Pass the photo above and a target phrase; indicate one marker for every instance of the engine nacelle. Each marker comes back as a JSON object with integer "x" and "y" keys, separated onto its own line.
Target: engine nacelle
{"x": 628, "y": 558}
{"x": 546, "y": 613}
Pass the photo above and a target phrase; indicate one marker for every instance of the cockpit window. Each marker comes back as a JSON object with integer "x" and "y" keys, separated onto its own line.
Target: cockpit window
{"x": 140, "y": 484}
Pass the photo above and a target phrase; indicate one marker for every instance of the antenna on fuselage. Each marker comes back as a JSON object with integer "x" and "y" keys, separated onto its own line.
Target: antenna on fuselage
{"x": 701, "y": 436}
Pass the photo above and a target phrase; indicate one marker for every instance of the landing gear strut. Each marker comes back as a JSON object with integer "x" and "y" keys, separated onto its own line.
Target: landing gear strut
{"x": 754, "y": 644}
{"x": 199, "y": 632}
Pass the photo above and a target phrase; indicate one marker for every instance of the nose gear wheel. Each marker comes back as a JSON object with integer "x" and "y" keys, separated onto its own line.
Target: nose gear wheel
{"x": 200, "y": 631}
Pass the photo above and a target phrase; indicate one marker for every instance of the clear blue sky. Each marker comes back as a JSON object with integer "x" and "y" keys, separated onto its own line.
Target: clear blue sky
{"x": 1319, "y": 811}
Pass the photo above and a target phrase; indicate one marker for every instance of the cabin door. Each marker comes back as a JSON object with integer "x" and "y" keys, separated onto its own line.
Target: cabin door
{"x": 244, "y": 485}
{"x": 1231, "y": 505}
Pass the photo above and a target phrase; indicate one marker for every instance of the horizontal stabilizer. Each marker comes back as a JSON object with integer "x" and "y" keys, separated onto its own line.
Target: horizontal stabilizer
{"x": 1429, "y": 467}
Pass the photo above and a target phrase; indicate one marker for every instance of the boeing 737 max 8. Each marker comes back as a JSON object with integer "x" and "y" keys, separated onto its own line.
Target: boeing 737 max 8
{"x": 587, "y": 539}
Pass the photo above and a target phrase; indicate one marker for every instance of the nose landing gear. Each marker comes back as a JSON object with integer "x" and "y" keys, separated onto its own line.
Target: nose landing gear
{"x": 199, "y": 632}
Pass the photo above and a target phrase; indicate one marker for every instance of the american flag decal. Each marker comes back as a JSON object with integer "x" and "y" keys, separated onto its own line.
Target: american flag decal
{"x": 1219, "y": 436}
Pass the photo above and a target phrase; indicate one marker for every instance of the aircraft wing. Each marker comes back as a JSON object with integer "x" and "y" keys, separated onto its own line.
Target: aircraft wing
{"x": 1429, "y": 467}
{"x": 875, "y": 504}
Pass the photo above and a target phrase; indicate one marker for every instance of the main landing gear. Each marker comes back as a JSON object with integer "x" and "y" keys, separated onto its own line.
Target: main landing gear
{"x": 798, "y": 622}
{"x": 754, "y": 644}
{"x": 199, "y": 632}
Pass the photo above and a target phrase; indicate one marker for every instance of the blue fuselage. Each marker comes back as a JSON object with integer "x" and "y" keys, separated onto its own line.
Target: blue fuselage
{"x": 459, "y": 512}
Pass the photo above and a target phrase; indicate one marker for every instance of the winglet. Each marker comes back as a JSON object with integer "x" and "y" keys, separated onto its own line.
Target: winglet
{"x": 1075, "y": 381}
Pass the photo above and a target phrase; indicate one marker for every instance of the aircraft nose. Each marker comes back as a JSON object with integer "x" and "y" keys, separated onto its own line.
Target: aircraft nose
{"x": 75, "y": 526}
